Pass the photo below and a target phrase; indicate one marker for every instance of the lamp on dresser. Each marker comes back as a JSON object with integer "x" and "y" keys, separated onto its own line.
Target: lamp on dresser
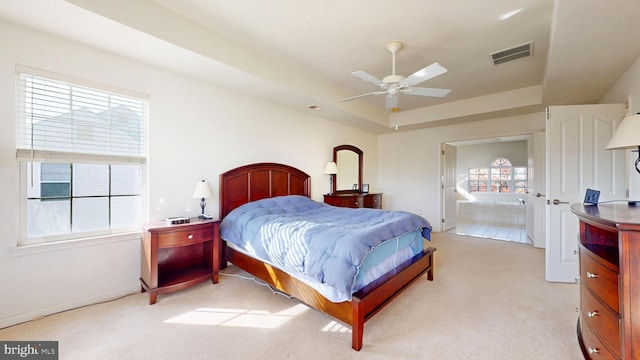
{"x": 331, "y": 169}
{"x": 627, "y": 136}
{"x": 203, "y": 192}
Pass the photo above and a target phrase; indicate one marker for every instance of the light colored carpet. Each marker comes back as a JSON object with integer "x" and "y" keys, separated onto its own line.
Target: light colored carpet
{"x": 489, "y": 300}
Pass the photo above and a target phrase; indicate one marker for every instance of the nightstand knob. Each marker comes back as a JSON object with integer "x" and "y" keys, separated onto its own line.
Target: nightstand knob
{"x": 592, "y": 313}
{"x": 591, "y": 275}
{"x": 190, "y": 236}
{"x": 593, "y": 350}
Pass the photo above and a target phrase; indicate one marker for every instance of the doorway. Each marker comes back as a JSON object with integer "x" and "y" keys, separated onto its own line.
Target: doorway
{"x": 491, "y": 187}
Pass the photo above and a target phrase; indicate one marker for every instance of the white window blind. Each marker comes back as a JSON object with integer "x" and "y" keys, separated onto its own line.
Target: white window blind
{"x": 59, "y": 120}
{"x": 82, "y": 149}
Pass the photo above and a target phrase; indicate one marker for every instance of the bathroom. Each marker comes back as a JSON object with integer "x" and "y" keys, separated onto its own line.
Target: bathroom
{"x": 492, "y": 206}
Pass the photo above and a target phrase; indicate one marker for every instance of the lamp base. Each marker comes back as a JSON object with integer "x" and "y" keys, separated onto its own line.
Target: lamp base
{"x": 205, "y": 216}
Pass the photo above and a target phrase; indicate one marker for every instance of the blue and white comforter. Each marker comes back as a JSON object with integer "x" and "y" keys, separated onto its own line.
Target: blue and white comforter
{"x": 326, "y": 244}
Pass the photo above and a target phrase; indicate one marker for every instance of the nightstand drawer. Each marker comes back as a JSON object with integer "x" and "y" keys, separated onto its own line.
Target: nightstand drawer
{"x": 187, "y": 237}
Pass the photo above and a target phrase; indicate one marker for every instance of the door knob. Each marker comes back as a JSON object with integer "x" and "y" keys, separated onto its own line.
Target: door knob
{"x": 558, "y": 202}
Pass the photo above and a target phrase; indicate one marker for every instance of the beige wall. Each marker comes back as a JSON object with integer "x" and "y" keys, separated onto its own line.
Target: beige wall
{"x": 197, "y": 131}
{"x": 626, "y": 88}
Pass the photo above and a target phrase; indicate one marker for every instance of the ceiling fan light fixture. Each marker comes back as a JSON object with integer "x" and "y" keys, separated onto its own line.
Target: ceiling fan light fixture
{"x": 393, "y": 84}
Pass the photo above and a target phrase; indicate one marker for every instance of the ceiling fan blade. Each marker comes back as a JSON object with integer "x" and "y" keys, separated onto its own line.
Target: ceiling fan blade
{"x": 392, "y": 102}
{"x": 424, "y": 74}
{"x": 367, "y": 94}
{"x": 422, "y": 91}
{"x": 369, "y": 78}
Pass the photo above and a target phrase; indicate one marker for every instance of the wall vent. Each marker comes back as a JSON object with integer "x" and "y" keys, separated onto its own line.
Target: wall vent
{"x": 513, "y": 53}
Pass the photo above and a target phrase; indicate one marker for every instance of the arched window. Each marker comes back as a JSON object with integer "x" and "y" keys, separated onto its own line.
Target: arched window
{"x": 499, "y": 177}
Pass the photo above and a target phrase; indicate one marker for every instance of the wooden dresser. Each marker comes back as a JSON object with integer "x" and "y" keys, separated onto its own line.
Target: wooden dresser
{"x": 355, "y": 200}
{"x": 609, "y": 322}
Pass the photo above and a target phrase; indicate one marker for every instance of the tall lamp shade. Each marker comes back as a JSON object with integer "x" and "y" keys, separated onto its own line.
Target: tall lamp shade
{"x": 203, "y": 191}
{"x": 627, "y": 136}
{"x": 331, "y": 169}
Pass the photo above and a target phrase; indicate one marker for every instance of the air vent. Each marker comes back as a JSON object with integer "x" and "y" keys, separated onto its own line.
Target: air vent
{"x": 513, "y": 53}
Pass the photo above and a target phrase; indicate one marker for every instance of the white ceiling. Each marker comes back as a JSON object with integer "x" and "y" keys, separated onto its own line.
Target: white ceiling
{"x": 300, "y": 53}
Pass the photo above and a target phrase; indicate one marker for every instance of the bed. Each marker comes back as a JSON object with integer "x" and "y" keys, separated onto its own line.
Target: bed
{"x": 278, "y": 183}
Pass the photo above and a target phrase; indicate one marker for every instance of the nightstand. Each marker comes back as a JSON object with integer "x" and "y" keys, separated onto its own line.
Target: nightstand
{"x": 175, "y": 257}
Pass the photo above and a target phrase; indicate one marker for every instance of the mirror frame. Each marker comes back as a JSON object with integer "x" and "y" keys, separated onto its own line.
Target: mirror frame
{"x": 335, "y": 159}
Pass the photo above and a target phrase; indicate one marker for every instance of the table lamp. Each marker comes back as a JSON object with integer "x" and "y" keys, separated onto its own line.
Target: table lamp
{"x": 331, "y": 169}
{"x": 203, "y": 191}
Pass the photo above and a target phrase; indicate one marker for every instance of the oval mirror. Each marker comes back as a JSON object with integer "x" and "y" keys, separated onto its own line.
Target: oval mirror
{"x": 348, "y": 159}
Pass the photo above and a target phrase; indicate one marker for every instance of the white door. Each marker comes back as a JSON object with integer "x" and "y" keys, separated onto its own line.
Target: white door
{"x": 530, "y": 204}
{"x": 576, "y": 159}
{"x": 449, "y": 199}
{"x": 537, "y": 191}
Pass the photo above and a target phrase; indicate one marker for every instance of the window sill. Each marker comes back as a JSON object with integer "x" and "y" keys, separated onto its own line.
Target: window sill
{"x": 32, "y": 249}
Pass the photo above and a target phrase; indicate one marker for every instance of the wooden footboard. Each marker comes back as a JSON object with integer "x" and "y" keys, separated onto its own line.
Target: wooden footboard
{"x": 364, "y": 304}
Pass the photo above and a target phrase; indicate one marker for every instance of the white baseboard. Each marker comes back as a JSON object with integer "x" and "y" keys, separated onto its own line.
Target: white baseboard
{"x": 99, "y": 298}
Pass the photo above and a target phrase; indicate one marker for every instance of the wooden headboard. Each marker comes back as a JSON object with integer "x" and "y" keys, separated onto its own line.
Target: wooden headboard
{"x": 259, "y": 181}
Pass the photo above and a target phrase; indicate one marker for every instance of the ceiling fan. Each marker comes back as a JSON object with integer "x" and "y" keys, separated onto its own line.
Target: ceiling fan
{"x": 394, "y": 84}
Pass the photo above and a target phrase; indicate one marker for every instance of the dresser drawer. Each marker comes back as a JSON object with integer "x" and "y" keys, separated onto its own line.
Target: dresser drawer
{"x": 373, "y": 201}
{"x": 602, "y": 321}
{"x": 602, "y": 281}
{"x": 186, "y": 237}
{"x": 349, "y": 201}
{"x": 592, "y": 345}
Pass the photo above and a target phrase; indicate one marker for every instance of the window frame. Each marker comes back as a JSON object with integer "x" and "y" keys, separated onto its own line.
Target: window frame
{"x": 23, "y": 162}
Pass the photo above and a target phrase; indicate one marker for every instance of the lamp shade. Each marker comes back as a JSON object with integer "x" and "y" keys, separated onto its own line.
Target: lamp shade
{"x": 627, "y": 135}
{"x": 331, "y": 168}
{"x": 203, "y": 190}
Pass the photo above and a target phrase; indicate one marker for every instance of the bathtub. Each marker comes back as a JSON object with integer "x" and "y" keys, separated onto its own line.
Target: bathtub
{"x": 497, "y": 212}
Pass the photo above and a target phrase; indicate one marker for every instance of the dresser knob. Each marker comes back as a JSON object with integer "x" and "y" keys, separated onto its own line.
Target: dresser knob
{"x": 593, "y": 350}
{"x": 592, "y": 313}
{"x": 591, "y": 275}
{"x": 190, "y": 236}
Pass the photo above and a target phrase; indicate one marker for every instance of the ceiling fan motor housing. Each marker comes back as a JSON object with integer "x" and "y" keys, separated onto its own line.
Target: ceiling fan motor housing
{"x": 393, "y": 80}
